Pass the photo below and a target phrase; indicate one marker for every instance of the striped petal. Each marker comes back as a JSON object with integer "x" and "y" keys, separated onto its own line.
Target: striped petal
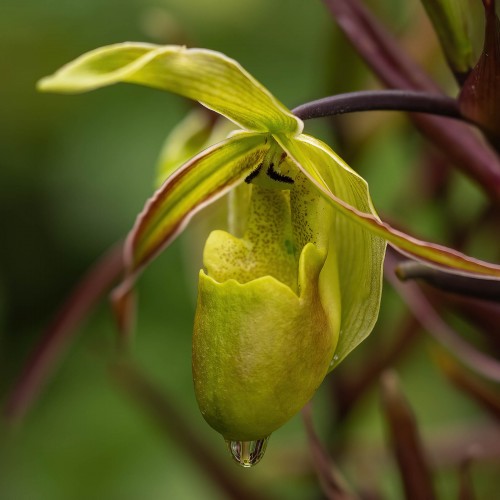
{"x": 213, "y": 79}
{"x": 359, "y": 238}
{"x": 199, "y": 182}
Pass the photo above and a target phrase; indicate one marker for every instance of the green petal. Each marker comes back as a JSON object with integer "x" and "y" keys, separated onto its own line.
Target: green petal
{"x": 187, "y": 139}
{"x": 197, "y": 131}
{"x": 359, "y": 252}
{"x": 451, "y": 20}
{"x": 202, "y": 180}
{"x": 360, "y": 245}
{"x": 318, "y": 161}
{"x": 213, "y": 79}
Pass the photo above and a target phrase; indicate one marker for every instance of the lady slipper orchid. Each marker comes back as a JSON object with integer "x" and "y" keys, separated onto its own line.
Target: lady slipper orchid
{"x": 297, "y": 286}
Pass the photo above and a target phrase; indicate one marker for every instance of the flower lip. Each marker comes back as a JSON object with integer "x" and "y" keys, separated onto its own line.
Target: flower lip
{"x": 260, "y": 351}
{"x": 255, "y": 282}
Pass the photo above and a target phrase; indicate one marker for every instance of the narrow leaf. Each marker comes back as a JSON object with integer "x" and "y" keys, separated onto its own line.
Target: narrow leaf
{"x": 213, "y": 79}
{"x": 451, "y": 22}
{"x": 405, "y": 440}
{"x": 375, "y": 44}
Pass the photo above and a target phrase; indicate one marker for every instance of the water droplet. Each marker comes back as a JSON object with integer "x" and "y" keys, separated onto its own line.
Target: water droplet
{"x": 247, "y": 453}
{"x": 336, "y": 357}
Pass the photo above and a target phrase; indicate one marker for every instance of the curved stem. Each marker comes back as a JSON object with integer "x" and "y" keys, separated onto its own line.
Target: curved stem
{"x": 471, "y": 286}
{"x": 381, "y": 100}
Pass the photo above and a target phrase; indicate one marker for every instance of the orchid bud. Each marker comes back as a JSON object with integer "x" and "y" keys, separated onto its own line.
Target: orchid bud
{"x": 450, "y": 19}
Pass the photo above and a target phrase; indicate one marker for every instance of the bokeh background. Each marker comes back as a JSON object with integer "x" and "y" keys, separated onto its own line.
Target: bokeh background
{"x": 74, "y": 172}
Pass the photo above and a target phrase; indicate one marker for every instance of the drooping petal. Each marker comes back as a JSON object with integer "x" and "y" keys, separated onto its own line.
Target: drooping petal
{"x": 359, "y": 253}
{"x": 348, "y": 193}
{"x": 213, "y": 79}
{"x": 199, "y": 182}
{"x": 432, "y": 253}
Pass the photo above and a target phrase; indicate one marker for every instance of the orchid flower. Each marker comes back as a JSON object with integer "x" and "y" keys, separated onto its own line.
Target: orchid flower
{"x": 296, "y": 286}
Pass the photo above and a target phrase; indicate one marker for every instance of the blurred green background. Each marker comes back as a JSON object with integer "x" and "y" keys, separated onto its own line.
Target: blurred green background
{"x": 74, "y": 172}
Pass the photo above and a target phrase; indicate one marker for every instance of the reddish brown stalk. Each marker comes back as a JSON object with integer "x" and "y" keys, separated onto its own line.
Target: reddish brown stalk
{"x": 405, "y": 441}
{"x": 58, "y": 336}
{"x": 437, "y": 327}
{"x": 484, "y": 395}
{"x": 350, "y": 388}
{"x": 396, "y": 70}
{"x": 378, "y": 48}
{"x": 332, "y": 483}
{"x": 485, "y": 316}
{"x": 465, "y": 488}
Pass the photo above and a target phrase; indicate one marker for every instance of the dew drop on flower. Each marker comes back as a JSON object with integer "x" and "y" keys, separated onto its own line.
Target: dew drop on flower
{"x": 247, "y": 453}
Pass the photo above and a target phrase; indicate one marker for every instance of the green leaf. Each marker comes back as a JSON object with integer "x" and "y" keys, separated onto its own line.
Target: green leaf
{"x": 450, "y": 19}
{"x": 213, "y": 79}
{"x": 359, "y": 253}
{"x": 201, "y": 181}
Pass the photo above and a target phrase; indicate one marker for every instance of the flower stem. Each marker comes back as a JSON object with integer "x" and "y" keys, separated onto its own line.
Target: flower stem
{"x": 471, "y": 286}
{"x": 381, "y": 100}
